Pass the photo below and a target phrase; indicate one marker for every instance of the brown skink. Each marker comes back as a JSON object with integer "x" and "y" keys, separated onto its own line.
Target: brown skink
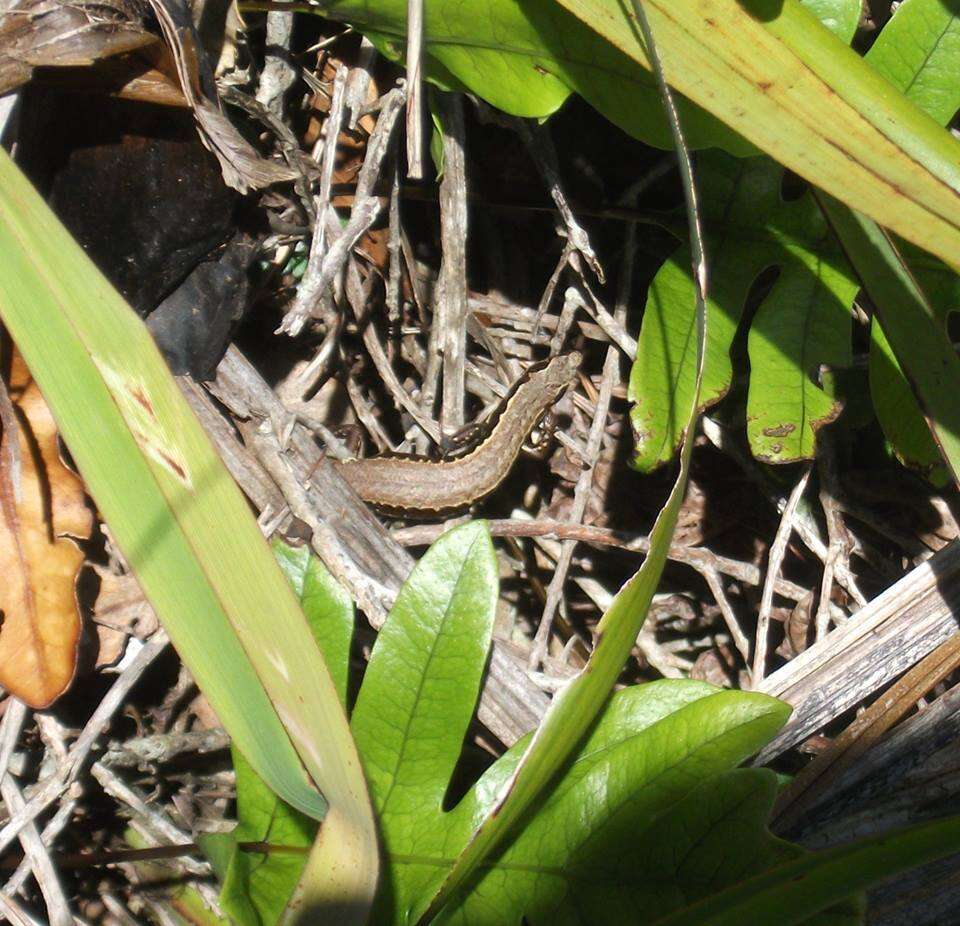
{"x": 412, "y": 485}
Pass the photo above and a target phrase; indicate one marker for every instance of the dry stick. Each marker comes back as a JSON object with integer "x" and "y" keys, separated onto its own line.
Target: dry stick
{"x": 359, "y": 80}
{"x": 15, "y": 914}
{"x": 450, "y": 315}
{"x": 550, "y": 289}
{"x": 881, "y": 641}
{"x": 612, "y": 328}
{"x": 117, "y": 909}
{"x": 310, "y": 292}
{"x": 278, "y": 74}
{"x": 40, "y": 863}
{"x": 366, "y": 208}
{"x": 353, "y": 543}
{"x": 581, "y": 495}
{"x": 415, "y": 89}
{"x": 13, "y": 720}
{"x": 839, "y": 545}
{"x": 804, "y": 523}
{"x": 48, "y": 790}
{"x": 149, "y": 818}
{"x": 539, "y": 143}
{"x": 394, "y": 269}
{"x": 777, "y": 550}
{"x": 365, "y": 414}
{"x": 357, "y": 297}
{"x": 55, "y": 826}
{"x": 699, "y": 558}
{"x": 804, "y": 791}
{"x": 712, "y": 578}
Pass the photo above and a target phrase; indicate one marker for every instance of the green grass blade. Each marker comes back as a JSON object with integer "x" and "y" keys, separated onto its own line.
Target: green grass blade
{"x": 794, "y": 892}
{"x": 909, "y": 322}
{"x": 184, "y": 528}
{"x": 770, "y": 70}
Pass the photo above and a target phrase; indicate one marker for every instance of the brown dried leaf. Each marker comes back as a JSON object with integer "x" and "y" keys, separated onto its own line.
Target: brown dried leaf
{"x": 243, "y": 168}
{"x": 53, "y": 34}
{"x": 38, "y": 561}
{"x": 121, "y": 611}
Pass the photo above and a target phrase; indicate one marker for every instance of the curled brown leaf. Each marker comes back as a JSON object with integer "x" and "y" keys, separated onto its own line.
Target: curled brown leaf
{"x": 39, "y": 558}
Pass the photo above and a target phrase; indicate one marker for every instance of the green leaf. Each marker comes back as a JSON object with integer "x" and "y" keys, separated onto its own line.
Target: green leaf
{"x": 897, "y": 409}
{"x": 909, "y": 321}
{"x": 257, "y": 886}
{"x": 803, "y": 323}
{"x": 325, "y": 604}
{"x": 186, "y": 530}
{"x": 613, "y": 838}
{"x": 841, "y": 17}
{"x": 421, "y": 687}
{"x": 918, "y": 51}
{"x": 794, "y": 891}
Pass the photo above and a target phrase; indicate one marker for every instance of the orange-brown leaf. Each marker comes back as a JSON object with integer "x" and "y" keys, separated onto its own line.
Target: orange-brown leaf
{"x": 38, "y": 560}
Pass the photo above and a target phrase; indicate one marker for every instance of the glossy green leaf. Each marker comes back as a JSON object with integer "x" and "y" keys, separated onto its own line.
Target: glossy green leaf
{"x": 802, "y": 324}
{"x": 420, "y": 689}
{"x": 186, "y": 530}
{"x": 613, "y": 841}
{"x": 257, "y": 886}
{"x": 918, "y": 51}
{"x": 794, "y": 891}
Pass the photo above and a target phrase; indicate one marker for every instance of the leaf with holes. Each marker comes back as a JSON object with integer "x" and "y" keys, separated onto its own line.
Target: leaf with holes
{"x": 39, "y": 559}
{"x": 801, "y": 324}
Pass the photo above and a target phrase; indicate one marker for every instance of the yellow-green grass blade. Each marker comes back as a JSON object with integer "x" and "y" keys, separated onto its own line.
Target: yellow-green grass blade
{"x": 186, "y": 531}
{"x": 770, "y": 70}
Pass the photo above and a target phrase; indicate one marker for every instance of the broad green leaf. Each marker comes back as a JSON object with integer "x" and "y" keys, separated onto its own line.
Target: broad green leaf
{"x": 918, "y": 51}
{"x": 326, "y": 606}
{"x": 841, "y": 17}
{"x": 909, "y": 321}
{"x": 803, "y": 323}
{"x": 795, "y": 890}
{"x": 526, "y": 57}
{"x": 598, "y": 848}
{"x": 186, "y": 530}
{"x": 421, "y": 687}
{"x": 768, "y": 69}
